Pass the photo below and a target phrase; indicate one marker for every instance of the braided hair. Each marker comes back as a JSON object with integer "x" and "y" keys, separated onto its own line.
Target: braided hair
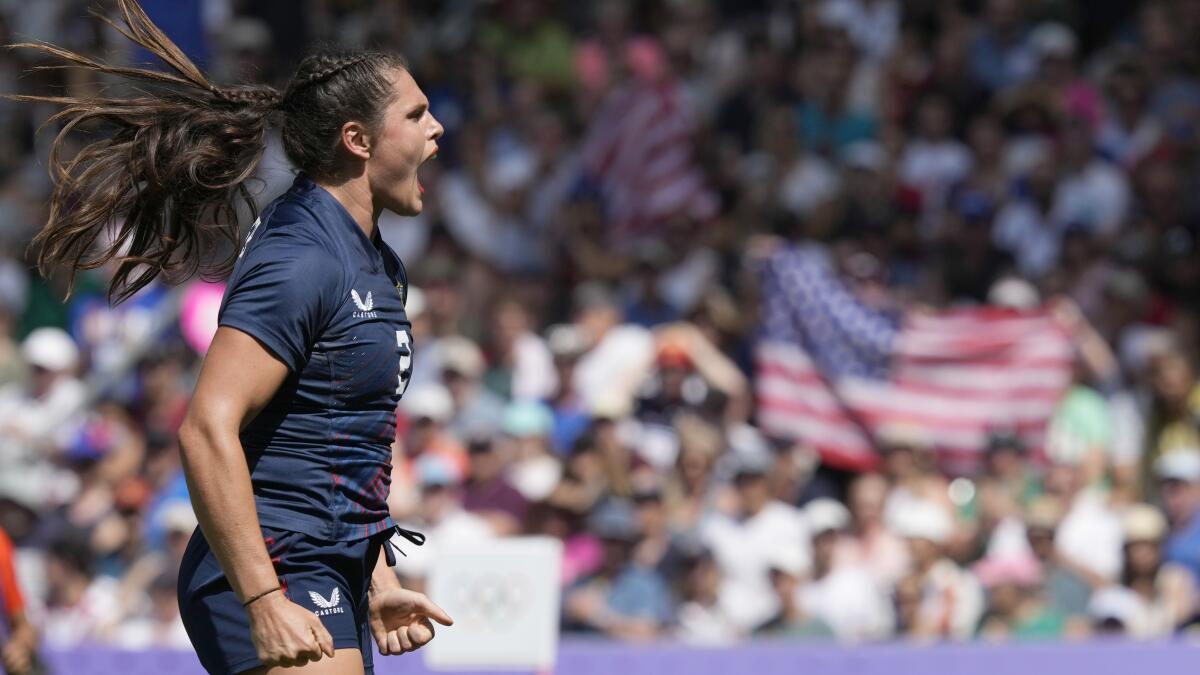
{"x": 159, "y": 193}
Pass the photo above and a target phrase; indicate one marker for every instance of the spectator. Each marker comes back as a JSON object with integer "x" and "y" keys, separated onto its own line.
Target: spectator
{"x": 440, "y": 516}
{"x": 842, "y": 596}
{"x": 157, "y": 625}
{"x": 621, "y": 599}
{"x": 524, "y": 367}
{"x": 1179, "y": 484}
{"x": 700, "y": 619}
{"x": 791, "y": 621}
{"x": 1089, "y": 534}
{"x": 951, "y": 599}
{"x": 477, "y": 410}
{"x": 18, "y": 637}
{"x": 428, "y": 409}
{"x": 617, "y": 354}
{"x": 80, "y": 608}
{"x": 32, "y": 412}
{"x": 1001, "y": 54}
{"x": 489, "y": 494}
{"x": 935, "y": 160}
{"x": 748, "y": 541}
{"x": 1065, "y": 584}
{"x": 1165, "y": 593}
{"x": 873, "y": 545}
{"x": 1017, "y": 608}
{"x": 535, "y": 471}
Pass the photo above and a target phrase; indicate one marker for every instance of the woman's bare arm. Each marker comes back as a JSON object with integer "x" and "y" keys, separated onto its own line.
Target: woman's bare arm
{"x": 238, "y": 378}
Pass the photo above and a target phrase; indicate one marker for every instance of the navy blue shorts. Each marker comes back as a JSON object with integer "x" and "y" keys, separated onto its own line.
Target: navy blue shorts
{"x": 330, "y": 578}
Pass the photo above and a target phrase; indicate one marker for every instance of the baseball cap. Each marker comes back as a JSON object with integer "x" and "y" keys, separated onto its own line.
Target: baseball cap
{"x": 790, "y": 560}
{"x": 461, "y": 355}
{"x": 1053, "y": 39}
{"x": 864, "y": 155}
{"x": 825, "y": 514}
{"x": 1019, "y": 569}
{"x": 1044, "y": 513}
{"x": 50, "y": 348}
{"x": 1143, "y": 522}
{"x": 435, "y": 471}
{"x": 566, "y": 340}
{"x": 615, "y": 520}
{"x": 178, "y": 516}
{"x": 527, "y": 418}
{"x": 429, "y": 401}
{"x": 747, "y": 464}
{"x": 1015, "y": 293}
{"x": 1114, "y": 603}
{"x": 1182, "y": 465}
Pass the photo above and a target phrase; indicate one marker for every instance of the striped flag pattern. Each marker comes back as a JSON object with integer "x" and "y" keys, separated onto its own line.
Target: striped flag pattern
{"x": 639, "y": 150}
{"x": 839, "y": 375}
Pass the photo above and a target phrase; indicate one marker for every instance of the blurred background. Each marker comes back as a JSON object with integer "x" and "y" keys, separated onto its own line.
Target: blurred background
{"x": 814, "y": 320}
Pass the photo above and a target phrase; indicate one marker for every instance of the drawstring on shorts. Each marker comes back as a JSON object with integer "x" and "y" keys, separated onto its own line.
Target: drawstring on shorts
{"x": 414, "y": 537}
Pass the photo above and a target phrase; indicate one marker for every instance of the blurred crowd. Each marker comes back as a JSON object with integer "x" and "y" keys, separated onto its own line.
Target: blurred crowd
{"x": 584, "y": 342}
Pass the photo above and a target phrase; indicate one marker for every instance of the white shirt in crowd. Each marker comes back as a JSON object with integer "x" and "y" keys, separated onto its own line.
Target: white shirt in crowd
{"x": 851, "y": 603}
{"x": 952, "y": 599}
{"x": 745, "y": 549}
{"x": 933, "y": 167}
{"x": 1090, "y": 535}
{"x": 1097, "y": 197}
{"x": 615, "y": 366}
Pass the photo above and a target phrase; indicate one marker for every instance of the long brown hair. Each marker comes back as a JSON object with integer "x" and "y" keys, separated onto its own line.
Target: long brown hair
{"x": 162, "y": 190}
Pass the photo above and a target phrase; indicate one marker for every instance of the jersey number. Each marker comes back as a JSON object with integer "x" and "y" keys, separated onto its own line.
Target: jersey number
{"x": 404, "y": 345}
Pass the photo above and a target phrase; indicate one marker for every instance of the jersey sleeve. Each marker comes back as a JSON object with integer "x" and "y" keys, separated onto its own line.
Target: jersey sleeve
{"x": 283, "y": 298}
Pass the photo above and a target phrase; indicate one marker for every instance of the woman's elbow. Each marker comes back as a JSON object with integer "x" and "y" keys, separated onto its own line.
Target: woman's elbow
{"x": 196, "y": 436}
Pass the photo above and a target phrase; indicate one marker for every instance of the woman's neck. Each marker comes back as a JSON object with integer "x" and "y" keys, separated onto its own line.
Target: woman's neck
{"x": 355, "y": 196}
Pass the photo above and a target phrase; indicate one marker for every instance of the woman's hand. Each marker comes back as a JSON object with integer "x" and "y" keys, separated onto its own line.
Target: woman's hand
{"x": 286, "y": 634}
{"x": 400, "y": 620}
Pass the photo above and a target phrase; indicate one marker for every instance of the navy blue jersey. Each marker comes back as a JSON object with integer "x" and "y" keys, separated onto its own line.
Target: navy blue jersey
{"x": 327, "y": 301}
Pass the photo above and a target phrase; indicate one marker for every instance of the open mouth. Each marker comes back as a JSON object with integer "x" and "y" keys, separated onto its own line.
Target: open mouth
{"x": 432, "y": 155}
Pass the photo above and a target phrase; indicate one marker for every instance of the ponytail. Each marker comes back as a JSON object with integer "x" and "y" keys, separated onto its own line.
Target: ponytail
{"x": 159, "y": 191}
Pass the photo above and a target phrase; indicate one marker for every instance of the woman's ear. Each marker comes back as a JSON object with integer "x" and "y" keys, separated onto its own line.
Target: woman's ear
{"x": 356, "y": 140}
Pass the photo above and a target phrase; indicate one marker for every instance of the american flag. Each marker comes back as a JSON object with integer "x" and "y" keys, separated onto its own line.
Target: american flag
{"x": 639, "y": 150}
{"x": 840, "y": 375}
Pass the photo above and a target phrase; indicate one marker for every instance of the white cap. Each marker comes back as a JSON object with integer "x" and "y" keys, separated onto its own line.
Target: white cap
{"x": 178, "y": 516}
{"x": 790, "y": 560}
{"x": 1015, "y": 293}
{"x": 1114, "y": 602}
{"x": 1182, "y": 464}
{"x": 1142, "y": 522}
{"x": 50, "y": 348}
{"x": 1053, "y": 39}
{"x": 923, "y": 520}
{"x": 865, "y": 155}
{"x": 826, "y": 514}
{"x": 566, "y": 339}
{"x": 430, "y": 400}
{"x": 461, "y": 355}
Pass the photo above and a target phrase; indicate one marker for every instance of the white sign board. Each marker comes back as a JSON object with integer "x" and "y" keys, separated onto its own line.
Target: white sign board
{"x": 504, "y": 595}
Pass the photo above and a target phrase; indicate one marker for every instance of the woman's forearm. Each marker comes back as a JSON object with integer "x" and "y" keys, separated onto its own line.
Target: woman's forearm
{"x": 218, "y": 480}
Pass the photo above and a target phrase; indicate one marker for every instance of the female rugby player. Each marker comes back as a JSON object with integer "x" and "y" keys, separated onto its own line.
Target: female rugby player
{"x": 286, "y": 442}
